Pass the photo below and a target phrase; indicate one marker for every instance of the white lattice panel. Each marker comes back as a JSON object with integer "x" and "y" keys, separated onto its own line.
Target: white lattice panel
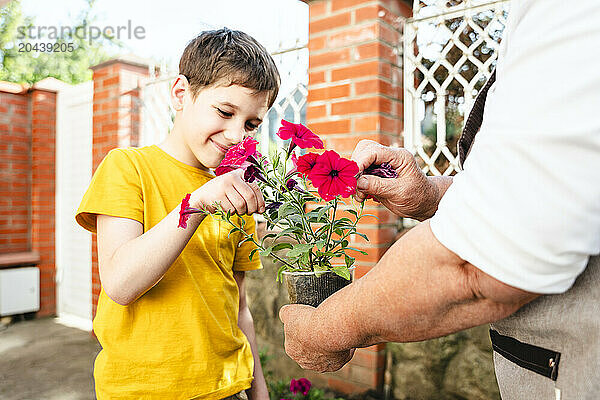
{"x": 450, "y": 50}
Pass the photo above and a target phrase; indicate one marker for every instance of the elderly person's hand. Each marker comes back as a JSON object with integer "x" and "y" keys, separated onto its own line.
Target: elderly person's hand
{"x": 412, "y": 194}
{"x": 308, "y": 349}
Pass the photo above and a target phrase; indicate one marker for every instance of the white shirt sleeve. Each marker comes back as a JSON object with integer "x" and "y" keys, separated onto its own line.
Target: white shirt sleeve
{"x": 526, "y": 207}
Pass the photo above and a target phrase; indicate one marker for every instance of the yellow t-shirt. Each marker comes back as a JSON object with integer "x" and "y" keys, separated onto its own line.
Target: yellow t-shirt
{"x": 179, "y": 340}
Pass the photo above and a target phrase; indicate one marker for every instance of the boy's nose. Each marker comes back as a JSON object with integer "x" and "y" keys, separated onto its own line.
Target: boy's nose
{"x": 234, "y": 135}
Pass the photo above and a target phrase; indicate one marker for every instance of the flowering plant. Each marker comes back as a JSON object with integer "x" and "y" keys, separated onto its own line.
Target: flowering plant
{"x": 307, "y": 220}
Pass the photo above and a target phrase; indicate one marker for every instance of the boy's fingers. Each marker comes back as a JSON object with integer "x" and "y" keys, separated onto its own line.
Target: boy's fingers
{"x": 260, "y": 200}
{"x": 248, "y": 196}
{"x": 236, "y": 200}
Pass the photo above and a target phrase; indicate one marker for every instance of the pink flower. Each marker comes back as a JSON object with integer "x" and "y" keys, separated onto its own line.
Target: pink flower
{"x": 300, "y": 135}
{"x": 305, "y": 163}
{"x": 301, "y": 385}
{"x": 185, "y": 211}
{"x": 183, "y": 217}
{"x": 334, "y": 175}
{"x": 239, "y": 156}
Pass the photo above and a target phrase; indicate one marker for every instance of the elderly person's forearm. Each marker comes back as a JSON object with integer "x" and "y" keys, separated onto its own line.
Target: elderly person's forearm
{"x": 440, "y": 185}
{"x": 419, "y": 290}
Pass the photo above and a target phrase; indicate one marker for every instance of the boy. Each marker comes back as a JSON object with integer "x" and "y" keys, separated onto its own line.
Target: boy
{"x": 172, "y": 317}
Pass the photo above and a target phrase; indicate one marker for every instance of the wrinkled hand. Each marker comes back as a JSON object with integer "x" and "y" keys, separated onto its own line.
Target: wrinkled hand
{"x": 410, "y": 195}
{"x": 306, "y": 348}
{"x": 232, "y": 192}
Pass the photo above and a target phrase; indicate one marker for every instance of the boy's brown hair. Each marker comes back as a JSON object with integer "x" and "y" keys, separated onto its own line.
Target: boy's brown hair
{"x": 232, "y": 57}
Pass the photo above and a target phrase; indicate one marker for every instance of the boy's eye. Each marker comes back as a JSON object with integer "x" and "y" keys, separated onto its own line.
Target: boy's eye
{"x": 224, "y": 113}
{"x": 250, "y": 126}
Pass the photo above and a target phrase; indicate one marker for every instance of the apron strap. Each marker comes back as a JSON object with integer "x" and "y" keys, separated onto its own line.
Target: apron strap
{"x": 474, "y": 121}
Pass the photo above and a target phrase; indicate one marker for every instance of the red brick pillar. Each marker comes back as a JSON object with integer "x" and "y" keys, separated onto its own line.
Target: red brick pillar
{"x": 43, "y": 172}
{"x": 15, "y": 169}
{"x": 116, "y": 121}
{"x": 355, "y": 92}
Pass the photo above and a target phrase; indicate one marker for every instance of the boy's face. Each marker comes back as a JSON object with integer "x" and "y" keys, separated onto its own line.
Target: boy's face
{"x": 218, "y": 118}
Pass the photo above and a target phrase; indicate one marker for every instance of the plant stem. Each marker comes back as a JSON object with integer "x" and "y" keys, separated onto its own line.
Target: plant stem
{"x": 353, "y": 229}
{"x": 335, "y": 202}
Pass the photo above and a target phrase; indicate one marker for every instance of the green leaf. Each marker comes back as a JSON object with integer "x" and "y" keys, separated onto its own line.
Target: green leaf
{"x": 285, "y": 210}
{"x": 246, "y": 239}
{"x": 266, "y": 252}
{"x": 295, "y": 218}
{"x": 362, "y": 235}
{"x": 304, "y": 258}
{"x": 280, "y": 272}
{"x": 269, "y": 235}
{"x": 323, "y": 210}
{"x": 233, "y": 230}
{"x": 252, "y": 253}
{"x": 343, "y": 272}
{"x": 299, "y": 249}
{"x": 349, "y": 260}
{"x": 281, "y": 246}
{"x": 355, "y": 249}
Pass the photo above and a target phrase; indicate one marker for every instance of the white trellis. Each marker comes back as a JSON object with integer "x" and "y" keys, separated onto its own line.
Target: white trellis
{"x": 158, "y": 115}
{"x": 450, "y": 49}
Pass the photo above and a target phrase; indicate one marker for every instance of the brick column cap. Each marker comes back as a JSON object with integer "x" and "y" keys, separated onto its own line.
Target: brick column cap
{"x": 129, "y": 59}
{"x": 50, "y": 85}
{"x": 11, "y": 87}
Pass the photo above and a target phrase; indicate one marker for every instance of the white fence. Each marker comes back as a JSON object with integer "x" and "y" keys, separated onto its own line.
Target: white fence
{"x": 73, "y": 174}
{"x": 450, "y": 49}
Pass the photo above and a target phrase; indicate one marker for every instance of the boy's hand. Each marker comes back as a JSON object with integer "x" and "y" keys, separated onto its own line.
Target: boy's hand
{"x": 232, "y": 192}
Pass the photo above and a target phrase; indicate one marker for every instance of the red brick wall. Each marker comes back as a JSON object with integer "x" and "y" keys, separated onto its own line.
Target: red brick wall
{"x": 15, "y": 173}
{"x": 43, "y": 170}
{"x": 116, "y": 123}
{"x": 354, "y": 93}
{"x": 27, "y": 180}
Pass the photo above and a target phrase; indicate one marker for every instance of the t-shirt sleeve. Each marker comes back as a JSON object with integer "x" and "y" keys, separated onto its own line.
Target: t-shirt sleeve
{"x": 526, "y": 208}
{"x": 242, "y": 261}
{"x": 115, "y": 190}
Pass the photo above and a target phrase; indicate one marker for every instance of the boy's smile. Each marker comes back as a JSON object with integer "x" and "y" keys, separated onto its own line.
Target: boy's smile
{"x": 220, "y": 147}
{"x": 207, "y": 126}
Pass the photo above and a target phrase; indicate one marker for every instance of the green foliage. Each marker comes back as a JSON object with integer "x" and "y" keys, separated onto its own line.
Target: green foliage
{"x": 32, "y": 66}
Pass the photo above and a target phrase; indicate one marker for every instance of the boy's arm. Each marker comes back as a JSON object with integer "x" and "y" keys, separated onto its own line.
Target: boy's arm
{"x": 259, "y": 390}
{"x": 131, "y": 261}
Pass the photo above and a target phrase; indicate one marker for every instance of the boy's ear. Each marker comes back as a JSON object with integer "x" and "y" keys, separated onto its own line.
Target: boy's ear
{"x": 180, "y": 88}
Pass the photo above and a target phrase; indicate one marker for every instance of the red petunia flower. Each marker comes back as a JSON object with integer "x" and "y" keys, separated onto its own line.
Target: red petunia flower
{"x": 305, "y": 163}
{"x": 334, "y": 175}
{"x": 300, "y": 135}
{"x": 239, "y": 156}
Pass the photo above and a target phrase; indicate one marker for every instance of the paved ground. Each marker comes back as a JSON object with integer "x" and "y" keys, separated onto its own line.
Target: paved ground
{"x": 43, "y": 360}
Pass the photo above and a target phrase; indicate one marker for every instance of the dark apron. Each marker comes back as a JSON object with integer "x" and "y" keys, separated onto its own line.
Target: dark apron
{"x": 550, "y": 348}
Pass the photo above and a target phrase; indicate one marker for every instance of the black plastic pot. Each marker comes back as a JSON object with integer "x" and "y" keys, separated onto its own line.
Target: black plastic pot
{"x": 312, "y": 288}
